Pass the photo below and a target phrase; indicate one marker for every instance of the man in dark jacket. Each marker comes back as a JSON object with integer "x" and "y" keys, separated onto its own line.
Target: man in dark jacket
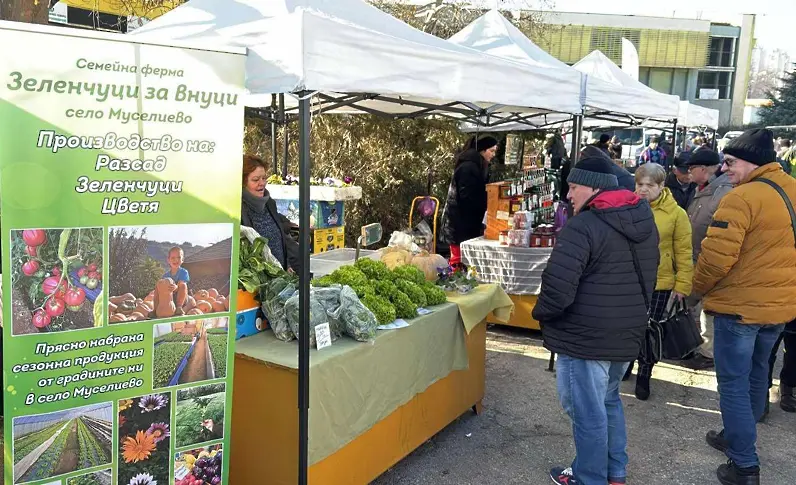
{"x": 593, "y": 314}
{"x": 623, "y": 177}
{"x": 680, "y": 184}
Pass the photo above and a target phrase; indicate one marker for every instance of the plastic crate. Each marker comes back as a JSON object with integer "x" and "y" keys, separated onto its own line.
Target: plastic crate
{"x": 248, "y": 323}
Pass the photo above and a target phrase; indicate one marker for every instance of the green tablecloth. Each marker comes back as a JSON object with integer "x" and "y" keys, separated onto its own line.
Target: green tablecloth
{"x": 480, "y": 302}
{"x": 354, "y": 385}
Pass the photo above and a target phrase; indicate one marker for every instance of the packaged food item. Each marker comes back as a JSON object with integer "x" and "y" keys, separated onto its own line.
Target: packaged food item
{"x": 536, "y": 240}
{"x": 520, "y": 238}
{"x": 523, "y": 220}
{"x": 504, "y": 238}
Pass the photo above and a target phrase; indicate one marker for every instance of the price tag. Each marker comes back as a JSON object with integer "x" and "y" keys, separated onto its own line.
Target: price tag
{"x": 423, "y": 311}
{"x": 323, "y": 336}
{"x": 181, "y": 472}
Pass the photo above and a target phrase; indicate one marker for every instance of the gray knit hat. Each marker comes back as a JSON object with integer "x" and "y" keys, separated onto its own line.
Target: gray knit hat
{"x": 594, "y": 172}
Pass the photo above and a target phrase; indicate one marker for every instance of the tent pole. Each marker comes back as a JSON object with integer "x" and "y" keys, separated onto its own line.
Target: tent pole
{"x": 577, "y": 125}
{"x": 674, "y": 141}
{"x": 285, "y": 140}
{"x": 304, "y": 284}
{"x": 274, "y": 158}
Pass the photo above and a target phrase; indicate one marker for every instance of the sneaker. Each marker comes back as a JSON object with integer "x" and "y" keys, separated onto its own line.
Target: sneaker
{"x": 718, "y": 441}
{"x": 732, "y": 474}
{"x": 564, "y": 476}
{"x": 612, "y": 482}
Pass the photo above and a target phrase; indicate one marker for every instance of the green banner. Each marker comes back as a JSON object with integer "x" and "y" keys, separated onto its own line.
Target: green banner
{"x": 120, "y": 182}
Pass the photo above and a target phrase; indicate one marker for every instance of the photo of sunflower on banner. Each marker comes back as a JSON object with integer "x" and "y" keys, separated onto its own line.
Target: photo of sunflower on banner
{"x": 144, "y": 439}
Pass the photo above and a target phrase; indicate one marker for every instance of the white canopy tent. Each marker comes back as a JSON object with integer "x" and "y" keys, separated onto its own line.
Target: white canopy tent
{"x": 354, "y": 58}
{"x": 619, "y": 89}
{"x": 383, "y": 65}
{"x": 693, "y": 115}
{"x": 603, "y": 94}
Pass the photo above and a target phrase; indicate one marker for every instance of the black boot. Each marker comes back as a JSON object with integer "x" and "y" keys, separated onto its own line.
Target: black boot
{"x": 731, "y": 474}
{"x": 787, "y": 400}
{"x": 717, "y": 440}
{"x": 629, "y": 372}
{"x": 642, "y": 387}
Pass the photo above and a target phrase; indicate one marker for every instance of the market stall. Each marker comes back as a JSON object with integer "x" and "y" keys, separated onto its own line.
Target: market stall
{"x": 349, "y": 57}
{"x": 371, "y": 404}
{"x": 518, "y": 270}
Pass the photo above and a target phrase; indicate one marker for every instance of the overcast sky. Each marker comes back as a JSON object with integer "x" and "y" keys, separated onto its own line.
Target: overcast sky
{"x": 776, "y": 19}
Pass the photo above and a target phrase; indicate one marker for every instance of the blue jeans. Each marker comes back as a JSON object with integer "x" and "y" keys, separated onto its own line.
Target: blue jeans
{"x": 589, "y": 393}
{"x": 741, "y": 355}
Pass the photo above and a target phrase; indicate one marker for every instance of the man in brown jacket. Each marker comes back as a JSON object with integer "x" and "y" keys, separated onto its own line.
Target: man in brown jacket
{"x": 747, "y": 274}
{"x": 712, "y": 185}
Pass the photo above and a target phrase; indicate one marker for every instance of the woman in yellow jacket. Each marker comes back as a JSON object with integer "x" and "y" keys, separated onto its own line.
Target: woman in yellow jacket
{"x": 676, "y": 269}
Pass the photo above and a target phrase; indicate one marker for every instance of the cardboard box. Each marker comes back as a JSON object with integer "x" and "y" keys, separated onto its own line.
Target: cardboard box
{"x": 328, "y": 239}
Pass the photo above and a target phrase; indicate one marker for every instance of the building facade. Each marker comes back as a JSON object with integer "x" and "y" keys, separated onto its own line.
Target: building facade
{"x": 702, "y": 62}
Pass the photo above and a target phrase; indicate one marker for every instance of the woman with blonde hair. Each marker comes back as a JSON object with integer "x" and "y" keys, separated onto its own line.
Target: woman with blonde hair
{"x": 676, "y": 267}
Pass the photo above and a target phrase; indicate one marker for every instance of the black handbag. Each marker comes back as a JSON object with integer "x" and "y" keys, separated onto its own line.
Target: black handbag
{"x": 652, "y": 345}
{"x": 681, "y": 333}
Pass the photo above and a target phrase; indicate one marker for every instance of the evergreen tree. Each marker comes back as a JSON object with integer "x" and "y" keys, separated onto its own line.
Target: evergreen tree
{"x": 783, "y": 109}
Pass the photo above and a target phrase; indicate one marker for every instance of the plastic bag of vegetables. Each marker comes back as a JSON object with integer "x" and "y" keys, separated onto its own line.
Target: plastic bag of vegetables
{"x": 359, "y": 323}
{"x": 275, "y": 296}
{"x": 330, "y": 299}
{"x": 317, "y": 315}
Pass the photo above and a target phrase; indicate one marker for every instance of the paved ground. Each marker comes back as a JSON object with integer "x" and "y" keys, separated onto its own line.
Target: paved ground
{"x": 523, "y": 431}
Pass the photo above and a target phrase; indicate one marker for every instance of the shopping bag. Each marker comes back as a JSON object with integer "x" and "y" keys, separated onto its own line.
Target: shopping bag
{"x": 681, "y": 332}
{"x": 652, "y": 345}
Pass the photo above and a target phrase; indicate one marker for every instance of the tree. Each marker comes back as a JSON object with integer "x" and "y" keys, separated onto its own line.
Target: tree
{"x": 30, "y": 11}
{"x": 783, "y": 108}
{"x": 761, "y": 84}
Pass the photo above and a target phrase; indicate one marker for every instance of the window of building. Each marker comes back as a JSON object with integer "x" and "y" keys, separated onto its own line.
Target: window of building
{"x": 721, "y": 52}
{"x": 713, "y": 85}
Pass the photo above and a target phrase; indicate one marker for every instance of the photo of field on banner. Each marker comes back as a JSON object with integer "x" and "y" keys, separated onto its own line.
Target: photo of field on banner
{"x": 167, "y": 271}
{"x": 189, "y": 351}
{"x": 54, "y": 444}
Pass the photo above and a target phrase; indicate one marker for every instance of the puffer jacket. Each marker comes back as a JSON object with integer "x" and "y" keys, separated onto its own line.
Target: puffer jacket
{"x": 676, "y": 269}
{"x": 464, "y": 211}
{"x": 591, "y": 305}
{"x": 747, "y": 267}
{"x": 702, "y": 208}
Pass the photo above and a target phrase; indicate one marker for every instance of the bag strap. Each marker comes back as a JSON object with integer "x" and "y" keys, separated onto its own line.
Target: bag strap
{"x": 640, "y": 276}
{"x": 785, "y": 198}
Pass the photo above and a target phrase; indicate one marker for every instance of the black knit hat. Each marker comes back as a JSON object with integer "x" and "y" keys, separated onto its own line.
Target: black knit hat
{"x": 486, "y": 143}
{"x": 704, "y": 157}
{"x": 594, "y": 172}
{"x": 755, "y": 146}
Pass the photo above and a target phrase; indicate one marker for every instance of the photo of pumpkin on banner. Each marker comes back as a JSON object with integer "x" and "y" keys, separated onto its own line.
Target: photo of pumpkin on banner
{"x": 56, "y": 278}
{"x": 167, "y": 271}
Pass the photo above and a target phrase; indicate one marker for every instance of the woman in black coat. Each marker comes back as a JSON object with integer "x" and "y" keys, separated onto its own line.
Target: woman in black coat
{"x": 258, "y": 211}
{"x": 464, "y": 212}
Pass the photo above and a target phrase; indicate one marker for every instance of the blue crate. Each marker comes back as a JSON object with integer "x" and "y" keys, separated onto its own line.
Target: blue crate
{"x": 247, "y": 323}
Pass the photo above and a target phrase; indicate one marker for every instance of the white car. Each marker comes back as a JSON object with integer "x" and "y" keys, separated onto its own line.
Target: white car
{"x": 727, "y": 137}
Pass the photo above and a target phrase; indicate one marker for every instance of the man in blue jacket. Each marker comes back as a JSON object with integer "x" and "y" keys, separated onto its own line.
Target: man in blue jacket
{"x": 593, "y": 313}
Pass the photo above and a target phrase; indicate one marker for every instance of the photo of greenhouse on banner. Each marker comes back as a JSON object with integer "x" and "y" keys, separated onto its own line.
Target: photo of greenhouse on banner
{"x": 114, "y": 319}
